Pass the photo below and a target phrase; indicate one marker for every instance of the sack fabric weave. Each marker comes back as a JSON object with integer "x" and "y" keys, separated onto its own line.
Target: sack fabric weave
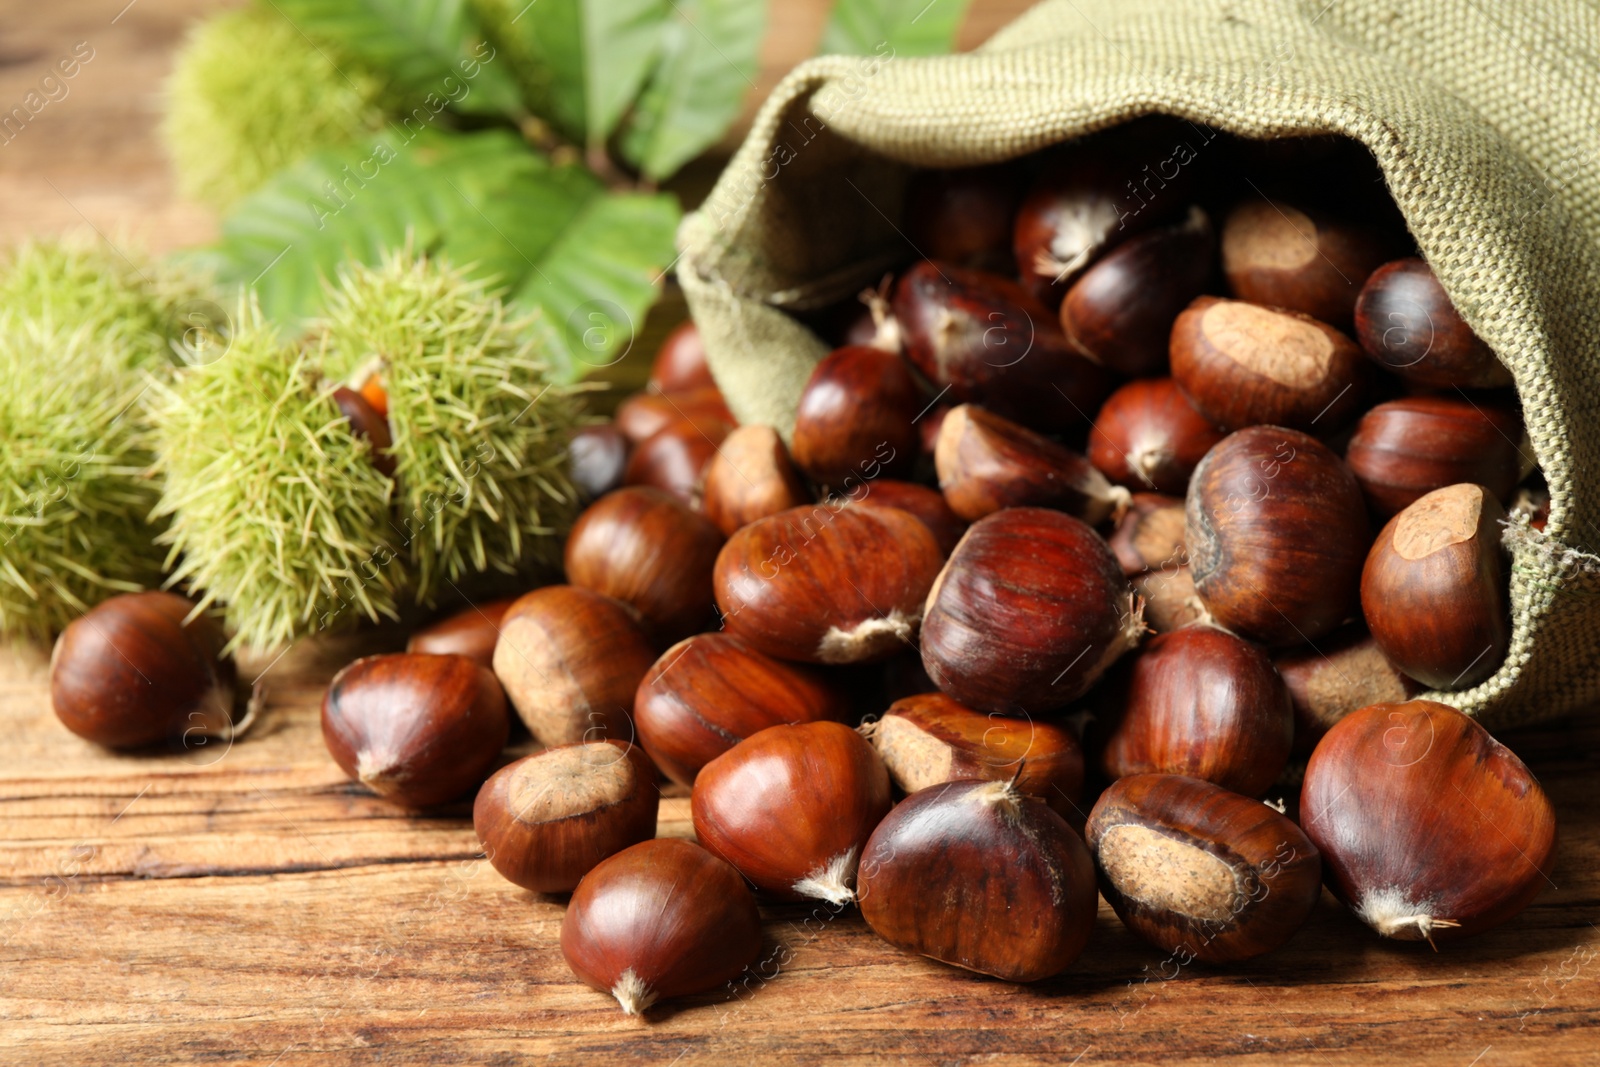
{"x": 1484, "y": 116}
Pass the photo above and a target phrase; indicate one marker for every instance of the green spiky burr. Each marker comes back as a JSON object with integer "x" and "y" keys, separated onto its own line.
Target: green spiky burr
{"x": 479, "y": 433}
{"x": 276, "y": 509}
{"x": 250, "y": 95}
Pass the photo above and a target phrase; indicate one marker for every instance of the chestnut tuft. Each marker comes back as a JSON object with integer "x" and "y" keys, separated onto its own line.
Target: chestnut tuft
{"x": 1199, "y": 871}
{"x": 751, "y": 477}
{"x": 1149, "y": 436}
{"x": 791, "y": 807}
{"x": 1429, "y": 828}
{"x": 471, "y": 632}
{"x": 415, "y": 728}
{"x": 979, "y": 875}
{"x": 548, "y": 818}
{"x": 1407, "y": 325}
{"x": 1414, "y": 445}
{"x": 660, "y": 919}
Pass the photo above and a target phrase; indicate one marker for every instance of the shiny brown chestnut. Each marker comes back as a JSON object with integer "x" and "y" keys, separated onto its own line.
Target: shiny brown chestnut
{"x": 1201, "y": 872}
{"x": 1406, "y": 323}
{"x": 982, "y": 876}
{"x": 988, "y": 342}
{"x": 1120, "y": 311}
{"x": 1203, "y": 703}
{"x": 136, "y": 670}
{"x": 963, "y": 215}
{"x": 1246, "y": 365}
{"x": 1149, "y": 436}
{"x": 676, "y": 459}
{"x": 827, "y": 584}
{"x": 929, "y": 505}
{"x": 986, "y": 463}
{"x": 643, "y": 415}
{"x": 597, "y": 460}
{"x": 1276, "y": 531}
{"x": 658, "y": 920}
{"x": 546, "y": 820}
{"x": 1344, "y": 673}
{"x": 791, "y": 808}
{"x": 1405, "y": 448}
{"x": 1029, "y": 611}
{"x": 368, "y": 424}
{"x": 857, "y": 413}
{"x": 646, "y": 548}
{"x": 1300, "y": 258}
{"x": 570, "y": 660}
{"x": 680, "y": 363}
{"x": 471, "y": 632}
{"x": 750, "y": 477}
{"x": 928, "y": 739}
{"x": 1149, "y": 535}
{"x": 1435, "y": 590}
{"x": 710, "y": 691}
{"x": 415, "y": 728}
{"x": 1170, "y": 601}
{"x": 1429, "y": 828}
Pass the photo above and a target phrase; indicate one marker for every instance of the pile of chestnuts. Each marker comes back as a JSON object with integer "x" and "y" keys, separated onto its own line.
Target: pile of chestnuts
{"x": 1128, "y": 502}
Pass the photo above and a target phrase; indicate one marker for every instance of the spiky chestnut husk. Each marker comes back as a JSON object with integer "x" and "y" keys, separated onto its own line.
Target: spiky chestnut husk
{"x": 276, "y": 508}
{"x": 250, "y": 94}
{"x": 480, "y": 435}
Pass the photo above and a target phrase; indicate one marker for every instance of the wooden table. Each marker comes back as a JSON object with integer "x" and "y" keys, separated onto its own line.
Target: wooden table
{"x": 248, "y": 904}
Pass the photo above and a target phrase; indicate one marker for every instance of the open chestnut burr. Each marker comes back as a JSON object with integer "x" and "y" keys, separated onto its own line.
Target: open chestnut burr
{"x": 1407, "y": 325}
{"x": 982, "y": 876}
{"x": 1200, "y": 871}
{"x": 1429, "y": 828}
{"x": 827, "y": 584}
{"x": 986, "y": 463}
{"x": 791, "y": 807}
{"x": 1029, "y": 611}
{"x": 1276, "y": 531}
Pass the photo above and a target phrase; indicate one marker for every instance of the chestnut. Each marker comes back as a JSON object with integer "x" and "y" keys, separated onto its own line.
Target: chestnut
{"x": 857, "y": 416}
{"x": 986, "y": 463}
{"x": 649, "y": 550}
{"x": 1407, "y": 324}
{"x": 1149, "y": 436}
{"x": 929, "y": 505}
{"x": 928, "y": 738}
{"x": 1245, "y": 365}
{"x": 979, "y": 875}
{"x": 1201, "y": 872}
{"x": 929, "y": 425}
{"x": 1276, "y": 531}
{"x": 415, "y": 728}
{"x": 751, "y": 477}
{"x": 680, "y": 363}
{"x": 985, "y": 340}
{"x": 548, "y": 818}
{"x": 676, "y": 459}
{"x": 1411, "y": 446}
{"x": 141, "y": 668}
{"x": 369, "y": 424}
{"x": 471, "y": 632}
{"x": 1299, "y": 258}
{"x": 1429, "y": 828}
{"x": 1203, "y": 703}
{"x": 1120, "y": 311}
{"x": 643, "y": 415}
{"x": 710, "y": 691}
{"x": 1170, "y": 601}
{"x": 791, "y": 807}
{"x": 1344, "y": 673}
{"x": 1435, "y": 590}
{"x": 825, "y": 585}
{"x": 963, "y": 215}
{"x": 570, "y": 660}
{"x": 660, "y": 919}
{"x": 1149, "y": 535}
{"x": 1028, "y": 612}
{"x": 597, "y": 460}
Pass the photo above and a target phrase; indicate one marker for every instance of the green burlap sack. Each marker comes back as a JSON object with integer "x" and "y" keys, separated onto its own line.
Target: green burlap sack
{"x": 1483, "y": 115}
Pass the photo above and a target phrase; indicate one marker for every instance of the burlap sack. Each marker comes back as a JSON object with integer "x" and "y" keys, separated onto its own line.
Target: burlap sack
{"x": 1483, "y": 114}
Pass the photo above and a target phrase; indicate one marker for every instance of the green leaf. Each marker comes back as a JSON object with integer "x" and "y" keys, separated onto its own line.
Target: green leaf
{"x": 553, "y": 237}
{"x": 708, "y": 59}
{"x": 426, "y": 46}
{"x": 893, "y": 27}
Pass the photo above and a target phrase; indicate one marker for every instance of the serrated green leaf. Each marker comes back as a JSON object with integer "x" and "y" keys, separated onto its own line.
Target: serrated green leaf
{"x": 908, "y": 27}
{"x": 708, "y": 59}
{"x": 426, "y": 47}
{"x": 553, "y": 237}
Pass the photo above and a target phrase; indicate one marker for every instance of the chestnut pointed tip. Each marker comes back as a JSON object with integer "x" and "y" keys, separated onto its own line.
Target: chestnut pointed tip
{"x": 1120, "y": 500}
{"x": 831, "y": 881}
{"x": 633, "y": 993}
{"x": 1393, "y": 915}
{"x": 378, "y": 771}
{"x": 1000, "y": 795}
